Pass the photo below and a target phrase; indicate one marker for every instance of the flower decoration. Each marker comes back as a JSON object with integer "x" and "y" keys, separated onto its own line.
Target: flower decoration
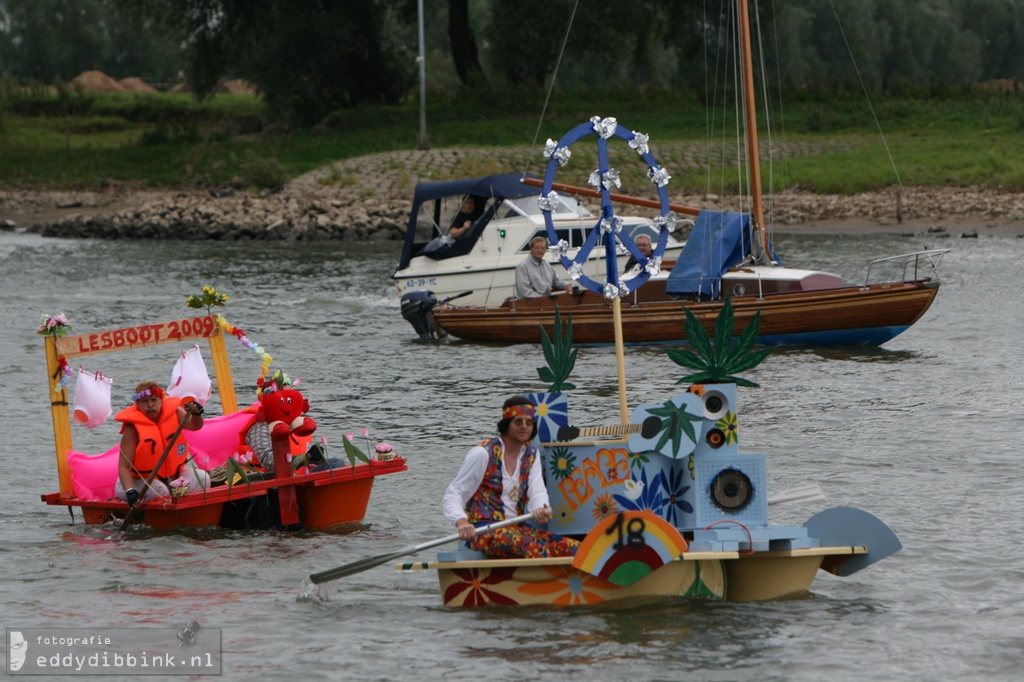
{"x": 549, "y": 202}
{"x": 729, "y": 427}
{"x": 563, "y": 463}
{"x": 639, "y": 143}
{"x": 673, "y": 495}
{"x": 648, "y": 496}
{"x": 604, "y": 127}
{"x": 208, "y": 299}
{"x": 254, "y": 347}
{"x": 53, "y": 325}
{"x": 604, "y": 506}
{"x": 552, "y": 413}
{"x": 352, "y": 451}
{"x": 553, "y": 151}
{"x": 659, "y": 176}
{"x": 65, "y": 371}
{"x": 564, "y": 515}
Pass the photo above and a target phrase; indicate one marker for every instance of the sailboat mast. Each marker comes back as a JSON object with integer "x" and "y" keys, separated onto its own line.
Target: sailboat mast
{"x": 750, "y": 112}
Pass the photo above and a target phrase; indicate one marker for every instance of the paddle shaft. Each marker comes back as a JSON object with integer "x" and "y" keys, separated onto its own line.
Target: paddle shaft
{"x": 156, "y": 469}
{"x": 372, "y": 562}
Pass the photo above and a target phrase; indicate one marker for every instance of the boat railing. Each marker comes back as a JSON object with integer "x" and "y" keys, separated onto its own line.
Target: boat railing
{"x": 915, "y": 266}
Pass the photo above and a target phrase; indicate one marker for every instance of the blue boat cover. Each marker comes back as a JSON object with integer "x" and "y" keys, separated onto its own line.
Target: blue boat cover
{"x": 719, "y": 240}
{"x": 506, "y": 186}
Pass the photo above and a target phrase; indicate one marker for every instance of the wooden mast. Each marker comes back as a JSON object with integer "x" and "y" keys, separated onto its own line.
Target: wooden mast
{"x": 750, "y": 112}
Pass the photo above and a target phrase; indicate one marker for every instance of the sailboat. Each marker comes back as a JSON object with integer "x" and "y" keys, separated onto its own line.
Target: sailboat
{"x": 727, "y": 255}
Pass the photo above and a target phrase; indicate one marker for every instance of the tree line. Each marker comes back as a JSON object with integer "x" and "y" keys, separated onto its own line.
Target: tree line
{"x": 315, "y": 56}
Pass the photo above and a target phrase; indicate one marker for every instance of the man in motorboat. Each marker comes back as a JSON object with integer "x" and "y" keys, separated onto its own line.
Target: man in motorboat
{"x": 501, "y": 478}
{"x": 460, "y": 225}
{"x": 534, "y": 275}
{"x": 148, "y": 426}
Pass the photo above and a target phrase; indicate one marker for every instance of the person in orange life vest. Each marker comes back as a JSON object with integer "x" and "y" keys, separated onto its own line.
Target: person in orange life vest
{"x": 501, "y": 478}
{"x": 147, "y": 425}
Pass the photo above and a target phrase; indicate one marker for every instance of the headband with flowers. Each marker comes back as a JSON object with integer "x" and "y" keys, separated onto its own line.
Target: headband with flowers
{"x": 152, "y": 391}
{"x": 518, "y": 411}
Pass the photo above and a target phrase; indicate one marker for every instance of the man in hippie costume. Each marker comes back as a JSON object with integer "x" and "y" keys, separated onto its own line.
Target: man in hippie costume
{"x": 501, "y": 478}
{"x": 147, "y": 426}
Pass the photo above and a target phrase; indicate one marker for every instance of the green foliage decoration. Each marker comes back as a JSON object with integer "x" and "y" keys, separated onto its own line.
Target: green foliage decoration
{"x": 352, "y": 452}
{"x": 719, "y": 360}
{"x": 675, "y": 421}
{"x": 560, "y": 355}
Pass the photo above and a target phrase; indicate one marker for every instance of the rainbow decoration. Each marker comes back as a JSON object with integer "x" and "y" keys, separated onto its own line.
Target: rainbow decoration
{"x": 628, "y": 546}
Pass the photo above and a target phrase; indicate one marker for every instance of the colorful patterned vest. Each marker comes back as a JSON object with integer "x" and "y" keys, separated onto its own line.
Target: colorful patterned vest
{"x": 486, "y": 505}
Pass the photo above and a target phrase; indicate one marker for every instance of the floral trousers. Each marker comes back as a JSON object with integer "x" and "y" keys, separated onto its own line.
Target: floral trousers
{"x": 515, "y": 542}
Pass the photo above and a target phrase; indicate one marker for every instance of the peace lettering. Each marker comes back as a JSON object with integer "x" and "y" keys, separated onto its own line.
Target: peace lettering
{"x": 609, "y": 467}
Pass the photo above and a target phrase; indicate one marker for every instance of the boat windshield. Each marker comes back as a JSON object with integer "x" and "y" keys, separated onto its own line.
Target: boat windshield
{"x": 576, "y": 235}
{"x": 528, "y": 206}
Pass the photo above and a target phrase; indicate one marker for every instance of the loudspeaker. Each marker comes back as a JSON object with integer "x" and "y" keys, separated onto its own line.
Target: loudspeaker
{"x": 719, "y": 431}
{"x": 728, "y": 487}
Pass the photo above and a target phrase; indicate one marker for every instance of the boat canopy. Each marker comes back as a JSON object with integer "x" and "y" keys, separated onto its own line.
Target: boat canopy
{"x": 497, "y": 187}
{"x": 720, "y": 240}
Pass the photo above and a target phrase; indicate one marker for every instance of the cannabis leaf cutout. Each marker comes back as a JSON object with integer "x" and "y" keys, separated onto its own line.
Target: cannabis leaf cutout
{"x": 560, "y": 354}
{"x": 718, "y": 360}
{"x": 675, "y": 421}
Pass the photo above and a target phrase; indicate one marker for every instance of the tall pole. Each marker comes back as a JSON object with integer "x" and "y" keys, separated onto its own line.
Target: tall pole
{"x": 422, "y": 142}
{"x": 749, "y": 106}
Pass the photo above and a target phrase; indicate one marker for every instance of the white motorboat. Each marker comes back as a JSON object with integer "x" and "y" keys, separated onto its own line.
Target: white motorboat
{"x": 483, "y": 259}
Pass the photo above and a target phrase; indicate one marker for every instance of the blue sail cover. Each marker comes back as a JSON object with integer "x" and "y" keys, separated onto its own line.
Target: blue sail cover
{"x": 719, "y": 240}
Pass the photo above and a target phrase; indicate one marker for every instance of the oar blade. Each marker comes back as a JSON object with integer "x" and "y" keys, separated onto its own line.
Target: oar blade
{"x": 356, "y": 567}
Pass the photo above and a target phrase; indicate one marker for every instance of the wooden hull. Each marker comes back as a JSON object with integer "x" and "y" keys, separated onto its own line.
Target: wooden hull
{"x": 727, "y": 576}
{"x": 324, "y": 500}
{"x": 843, "y": 316}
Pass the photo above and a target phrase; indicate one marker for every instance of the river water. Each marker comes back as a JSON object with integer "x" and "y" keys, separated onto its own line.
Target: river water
{"x": 922, "y": 433}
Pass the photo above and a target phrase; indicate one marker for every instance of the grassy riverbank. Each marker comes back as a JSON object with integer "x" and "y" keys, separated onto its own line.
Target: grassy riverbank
{"x": 158, "y": 141}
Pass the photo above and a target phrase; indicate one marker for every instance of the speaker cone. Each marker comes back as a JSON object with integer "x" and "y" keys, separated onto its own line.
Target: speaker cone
{"x": 731, "y": 490}
{"x": 715, "y": 405}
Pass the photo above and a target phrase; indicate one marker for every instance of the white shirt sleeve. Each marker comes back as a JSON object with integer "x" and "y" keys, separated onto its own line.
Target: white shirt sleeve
{"x": 466, "y": 482}
{"x": 536, "y": 491}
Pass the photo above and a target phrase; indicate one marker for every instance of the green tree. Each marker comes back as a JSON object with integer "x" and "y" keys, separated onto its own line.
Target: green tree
{"x": 307, "y": 58}
{"x": 44, "y": 40}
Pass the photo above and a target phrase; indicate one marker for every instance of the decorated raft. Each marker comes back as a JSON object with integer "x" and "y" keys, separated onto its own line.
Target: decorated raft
{"x": 665, "y": 503}
{"x": 296, "y": 496}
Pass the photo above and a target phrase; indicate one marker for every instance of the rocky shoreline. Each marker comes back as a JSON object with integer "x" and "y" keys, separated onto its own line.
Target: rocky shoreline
{"x": 368, "y": 199}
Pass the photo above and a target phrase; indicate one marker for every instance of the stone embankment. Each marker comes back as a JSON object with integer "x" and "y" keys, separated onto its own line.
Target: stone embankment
{"x": 368, "y": 199}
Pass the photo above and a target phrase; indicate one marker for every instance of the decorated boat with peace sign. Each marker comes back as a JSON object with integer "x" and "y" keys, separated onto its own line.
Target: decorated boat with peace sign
{"x": 293, "y": 484}
{"x": 663, "y": 502}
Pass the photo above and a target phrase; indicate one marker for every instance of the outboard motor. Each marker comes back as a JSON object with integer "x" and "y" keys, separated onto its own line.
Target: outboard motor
{"x": 416, "y": 309}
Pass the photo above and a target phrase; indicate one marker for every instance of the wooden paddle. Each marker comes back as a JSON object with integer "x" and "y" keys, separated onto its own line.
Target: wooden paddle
{"x": 648, "y": 429}
{"x": 374, "y": 561}
{"x": 156, "y": 469}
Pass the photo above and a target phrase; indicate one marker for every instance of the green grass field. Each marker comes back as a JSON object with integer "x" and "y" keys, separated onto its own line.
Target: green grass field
{"x": 975, "y": 139}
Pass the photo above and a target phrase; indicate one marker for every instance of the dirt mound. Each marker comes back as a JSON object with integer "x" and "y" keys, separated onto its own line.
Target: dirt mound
{"x": 185, "y": 87}
{"x": 97, "y": 81}
{"x": 134, "y": 84}
{"x": 240, "y": 87}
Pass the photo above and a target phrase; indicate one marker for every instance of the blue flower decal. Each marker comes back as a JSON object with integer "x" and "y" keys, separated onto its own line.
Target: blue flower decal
{"x": 672, "y": 487}
{"x": 552, "y": 412}
{"x": 639, "y": 495}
